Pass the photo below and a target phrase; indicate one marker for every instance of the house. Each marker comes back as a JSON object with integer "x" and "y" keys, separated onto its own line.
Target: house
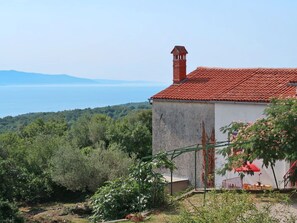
{"x": 207, "y": 99}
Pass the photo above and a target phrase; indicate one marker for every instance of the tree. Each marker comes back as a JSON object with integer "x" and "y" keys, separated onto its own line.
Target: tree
{"x": 90, "y": 131}
{"x": 271, "y": 138}
{"x": 44, "y": 154}
{"x": 134, "y": 133}
{"x": 69, "y": 168}
{"x": 77, "y": 171}
{"x": 79, "y": 132}
{"x": 98, "y": 129}
{"x": 106, "y": 165}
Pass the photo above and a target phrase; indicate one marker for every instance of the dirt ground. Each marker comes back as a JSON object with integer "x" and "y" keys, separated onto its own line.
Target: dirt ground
{"x": 57, "y": 213}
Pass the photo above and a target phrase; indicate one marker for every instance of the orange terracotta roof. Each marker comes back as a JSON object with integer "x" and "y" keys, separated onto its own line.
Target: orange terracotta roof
{"x": 233, "y": 84}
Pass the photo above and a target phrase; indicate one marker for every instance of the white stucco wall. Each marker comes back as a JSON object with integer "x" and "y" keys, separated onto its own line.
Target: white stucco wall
{"x": 225, "y": 113}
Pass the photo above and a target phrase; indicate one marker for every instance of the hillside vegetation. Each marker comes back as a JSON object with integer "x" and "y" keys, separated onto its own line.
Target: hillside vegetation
{"x": 10, "y": 123}
{"x": 54, "y": 156}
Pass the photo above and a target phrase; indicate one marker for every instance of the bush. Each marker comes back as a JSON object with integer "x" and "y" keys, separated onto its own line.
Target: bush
{"x": 69, "y": 168}
{"x": 116, "y": 199}
{"x": 17, "y": 183}
{"x": 9, "y": 213}
{"x": 106, "y": 165}
{"x": 86, "y": 170}
{"x": 142, "y": 189}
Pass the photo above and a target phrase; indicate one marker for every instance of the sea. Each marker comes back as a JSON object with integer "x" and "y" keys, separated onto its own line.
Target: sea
{"x": 16, "y": 100}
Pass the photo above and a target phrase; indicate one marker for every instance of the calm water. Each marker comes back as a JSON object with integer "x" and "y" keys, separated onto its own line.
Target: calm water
{"x": 15, "y": 100}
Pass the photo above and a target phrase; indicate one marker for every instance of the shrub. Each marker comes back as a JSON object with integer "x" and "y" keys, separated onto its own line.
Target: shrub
{"x": 81, "y": 170}
{"x": 116, "y": 199}
{"x": 106, "y": 165}
{"x": 9, "y": 213}
{"x": 142, "y": 189}
{"x": 69, "y": 168}
{"x": 17, "y": 183}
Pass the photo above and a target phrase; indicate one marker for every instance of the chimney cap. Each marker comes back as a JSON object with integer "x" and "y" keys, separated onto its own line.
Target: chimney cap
{"x": 177, "y": 50}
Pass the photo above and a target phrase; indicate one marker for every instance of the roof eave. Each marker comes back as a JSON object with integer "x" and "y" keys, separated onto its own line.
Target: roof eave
{"x": 265, "y": 102}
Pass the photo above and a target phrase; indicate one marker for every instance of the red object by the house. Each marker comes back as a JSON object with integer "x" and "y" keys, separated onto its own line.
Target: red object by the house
{"x": 248, "y": 167}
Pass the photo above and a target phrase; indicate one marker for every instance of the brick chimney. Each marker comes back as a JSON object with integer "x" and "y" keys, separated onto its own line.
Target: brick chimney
{"x": 179, "y": 64}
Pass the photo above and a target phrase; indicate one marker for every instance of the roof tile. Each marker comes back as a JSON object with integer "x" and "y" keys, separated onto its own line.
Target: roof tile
{"x": 233, "y": 84}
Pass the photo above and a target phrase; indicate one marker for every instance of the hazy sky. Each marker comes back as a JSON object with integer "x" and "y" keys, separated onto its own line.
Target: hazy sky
{"x": 132, "y": 39}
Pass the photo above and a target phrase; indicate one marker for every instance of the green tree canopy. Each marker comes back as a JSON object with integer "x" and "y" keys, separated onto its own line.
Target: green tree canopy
{"x": 134, "y": 133}
{"x": 47, "y": 154}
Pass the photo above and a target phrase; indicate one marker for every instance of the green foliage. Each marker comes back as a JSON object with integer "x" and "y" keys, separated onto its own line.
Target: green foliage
{"x": 233, "y": 207}
{"x": 24, "y": 160}
{"x": 79, "y": 132}
{"x": 116, "y": 199}
{"x": 142, "y": 189}
{"x": 271, "y": 138}
{"x": 51, "y": 154}
{"x": 55, "y": 127}
{"x": 134, "y": 133}
{"x": 79, "y": 171}
{"x": 9, "y": 213}
{"x": 69, "y": 168}
{"x": 40, "y": 150}
{"x": 12, "y": 180}
{"x": 106, "y": 165}
{"x": 98, "y": 127}
{"x": 10, "y": 123}
{"x": 18, "y": 183}
{"x": 10, "y": 146}
{"x": 90, "y": 131}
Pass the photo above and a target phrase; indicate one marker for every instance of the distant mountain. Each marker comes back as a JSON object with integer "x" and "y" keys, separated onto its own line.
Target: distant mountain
{"x": 12, "y": 77}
